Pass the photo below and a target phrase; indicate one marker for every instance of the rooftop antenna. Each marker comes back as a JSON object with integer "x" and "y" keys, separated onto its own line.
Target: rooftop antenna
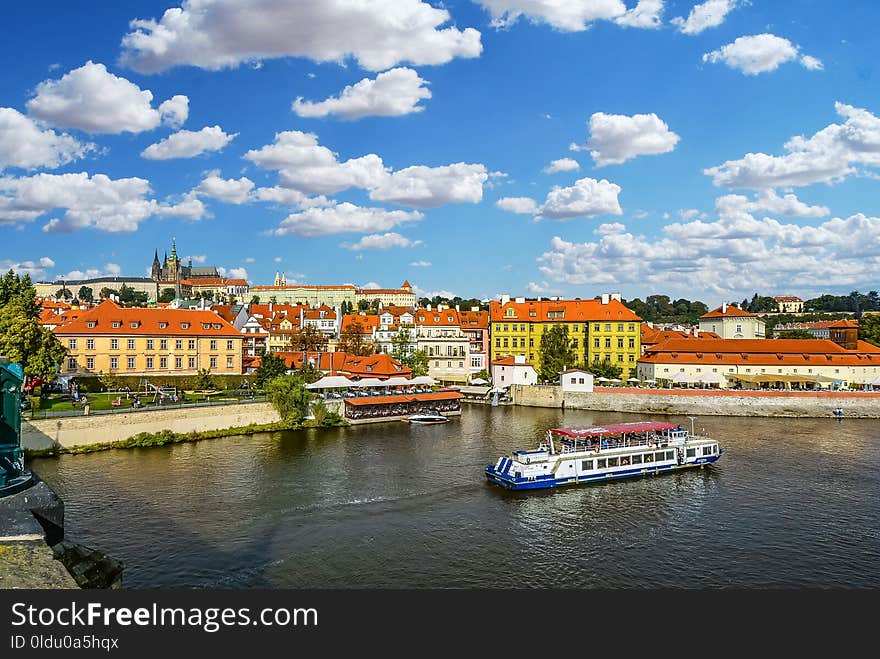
{"x": 692, "y": 424}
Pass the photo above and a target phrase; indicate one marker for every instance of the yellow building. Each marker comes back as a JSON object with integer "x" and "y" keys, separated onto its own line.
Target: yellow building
{"x": 599, "y": 330}
{"x": 111, "y": 339}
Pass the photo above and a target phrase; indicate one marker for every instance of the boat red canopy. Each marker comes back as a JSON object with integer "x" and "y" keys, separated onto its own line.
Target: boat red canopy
{"x": 615, "y": 429}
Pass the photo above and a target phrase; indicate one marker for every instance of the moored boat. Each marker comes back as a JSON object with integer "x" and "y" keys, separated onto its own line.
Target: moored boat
{"x": 426, "y": 418}
{"x": 572, "y": 456}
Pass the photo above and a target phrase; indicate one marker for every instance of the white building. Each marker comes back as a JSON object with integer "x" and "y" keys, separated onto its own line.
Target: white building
{"x": 513, "y": 370}
{"x": 576, "y": 379}
{"x": 730, "y": 322}
{"x": 439, "y": 335}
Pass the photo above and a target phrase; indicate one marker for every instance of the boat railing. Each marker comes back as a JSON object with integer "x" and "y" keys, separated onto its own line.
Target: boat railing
{"x": 652, "y": 441}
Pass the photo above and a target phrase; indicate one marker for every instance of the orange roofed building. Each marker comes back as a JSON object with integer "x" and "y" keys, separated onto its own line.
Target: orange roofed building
{"x": 730, "y": 322}
{"x": 599, "y": 330}
{"x": 135, "y": 341}
{"x": 379, "y": 366}
{"x": 764, "y": 361}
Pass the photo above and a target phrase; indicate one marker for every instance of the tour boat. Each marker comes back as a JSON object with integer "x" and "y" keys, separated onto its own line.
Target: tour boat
{"x": 571, "y": 456}
{"x": 426, "y": 418}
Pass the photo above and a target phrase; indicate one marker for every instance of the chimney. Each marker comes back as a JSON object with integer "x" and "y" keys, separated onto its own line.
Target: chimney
{"x": 505, "y": 299}
{"x": 604, "y": 298}
{"x": 429, "y": 307}
{"x": 520, "y": 300}
{"x": 539, "y": 298}
{"x": 475, "y": 308}
{"x": 270, "y": 310}
{"x": 457, "y": 308}
{"x": 696, "y": 332}
{"x": 616, "y": 296}
{"x": 724, "y": 307}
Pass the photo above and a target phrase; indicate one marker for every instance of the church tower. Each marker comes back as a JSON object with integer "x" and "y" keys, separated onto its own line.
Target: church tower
{"x": 156, "y": 270}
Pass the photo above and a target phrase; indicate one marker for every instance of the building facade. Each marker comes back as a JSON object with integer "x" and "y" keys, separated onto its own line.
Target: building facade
{"x": 600, "y": 329}
{"x": 731, "y": 322}
{"x": 439, "y": 335}
{"x": 513, "y": 370}
{"x": 114, "y": 340}
{"x": 789, "y": 304}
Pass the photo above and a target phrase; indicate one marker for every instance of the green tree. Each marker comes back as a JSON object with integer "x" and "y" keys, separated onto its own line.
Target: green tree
{"x": 353, "y": 342}
{"x": 255, "y": 299}
{"x": 417, "y": 362}
{"x": 63, "y": 294}
{"x": 167, "y": 295}
{"x": 308, "y": 372}
{"x": 204, "y": 380}
{"x": 556, "y": 353}
{"x": 309, "y": 338}
{"x": 126, "y": 294}
{"x": 795, "y": 334}
{"x": 270, "y": 368}
{"x": 86, "y": 294}
{"x": 363, "y": 305}
{"x": 482, "y": 375}
{"x": 604, "y": 369}
{"x": 289, "y": 397}
{"x": 869, "y": 328}
{"x": 22, "y": 338}
{"x": 107, "y": 292}
{"x": 400, "y": 344}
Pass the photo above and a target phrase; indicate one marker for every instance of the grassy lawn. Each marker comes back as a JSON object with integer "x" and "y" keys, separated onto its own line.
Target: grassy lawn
{"x": 102, "y": 401}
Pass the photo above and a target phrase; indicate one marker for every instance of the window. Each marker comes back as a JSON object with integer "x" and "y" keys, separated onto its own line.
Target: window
{"x": 163, "y": 325}
{"x": 505, "y": 342}
{"x": 649, "y": 457}
{"x": 229, "y": 345}
{"x": 90, "y": 363}
{"x": 229, "y": 362}
{"x": 497, "y": 342}
{"x": 637, "y": 459}
{"x": 149, "y": 362}
{"x": 632, "y": 358}
{"x": 149, "y": 344}
{"x": 607, "y": 342}
{"x": 580, "y": 380}
{"x": 574, "y": 344}
{"x": 178, "y": 344}
{"x": 707, "y": 450}
{"x": 213, "y": 344}
{"x": 620, "y": 327}
{"x": 531, "y": 343}
{"x": 613, "y": 462}
{"x": 691, "y": 452}
{"x": 163, "y": 362}
{"x": 620, "y": 343}
{"x": 191, "y": 362}
{"x": 131, "y": 363}
{"x": 739, "y": 328}
{"x": 574, "y": 380}
{"x": 131, "y": 344}
{"x": 670, "y": 455}
{"x": 619, "y": 357}
{"x": 448, "y": 364}
{"x": 91, "y": 323}
{"x": 660, "y": 456}
{"x": 114, "y": 344}
{"x": 596, "y": 327}
{"x": 114, "y": 363}
{"x": 178, "y": 362}
{"x": 632, "y": 343}
{"x": 631, "y": 327}
{"x": 163, "y": 344}
{"x": 116, "y": 324}
{"x": 134, "y": 324}
{"x": 184, "y": 325}
{"x": 90, "y": 344}
{"x": 71, "y": 363}
{"x": 607, "y": 327}
{"x": 600, "y": 463}
{"x": 72, "y": 344}
{"x": 191, "y": 344}
{"x": 595, "y": 343}
{"x": 505, "y": 328}
{"x": 587, "y": 465}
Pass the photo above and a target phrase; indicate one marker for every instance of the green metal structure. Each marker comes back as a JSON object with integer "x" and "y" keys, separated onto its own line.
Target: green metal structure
{"x": 13, "y": 476}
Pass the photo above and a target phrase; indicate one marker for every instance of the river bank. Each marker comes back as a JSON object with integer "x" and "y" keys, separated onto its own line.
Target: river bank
{"x": 703, "y": 402}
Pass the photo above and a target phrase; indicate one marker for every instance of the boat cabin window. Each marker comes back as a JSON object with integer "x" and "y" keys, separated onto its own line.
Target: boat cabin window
{"x": 587, "y": 465}
{"x": 692, "y": 452}
{"x": 649, "y": 457}
{"x": 659, "y": 456}
{"x": 707, "y": 450}
{"x": 670, "y": 455}
{"x": 612, "y": 462}
{"x": 600, "y": 463}
{"x": 637, "y": 459}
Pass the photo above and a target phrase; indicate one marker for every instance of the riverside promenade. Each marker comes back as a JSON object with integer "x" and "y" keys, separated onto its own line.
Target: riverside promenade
{"x": 706, "y": 402}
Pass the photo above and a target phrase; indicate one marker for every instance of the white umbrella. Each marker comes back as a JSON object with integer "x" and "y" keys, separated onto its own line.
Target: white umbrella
{"x": 397, "y": 381}
{"x": 479, "y": 381}
{"x": 616, "y": 380}
{"x": 603, "y": 379}
{"x": 712, "y": 378}
{"x": 632, "y": 380}
{"x": 331, "y": 382}
{"x": 423, "y": 379}
{"x": 682, "y": 377}
{"x": 651, "y": 381}
{"x": 369, "y": 382}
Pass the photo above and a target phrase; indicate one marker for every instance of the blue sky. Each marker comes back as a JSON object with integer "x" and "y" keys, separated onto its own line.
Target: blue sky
{"x": 703, "y": 149}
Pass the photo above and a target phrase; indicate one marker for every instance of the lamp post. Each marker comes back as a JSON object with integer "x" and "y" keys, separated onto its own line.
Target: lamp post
{"x": 13, "y": 476}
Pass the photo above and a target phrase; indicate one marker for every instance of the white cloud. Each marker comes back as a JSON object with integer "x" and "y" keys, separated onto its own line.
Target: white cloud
{"x": 97, "y": 201}
{"x": 646, "y": 14}
{"x": 343, "y": 218}
{"x": 35, "y": 269}
{"x": 812, "y": 63}
{"x": 216, "y": 34}
{"x": 92, "y": 99}
{"x": 427, "y": 187}
{"x": 233, "y": 273}
{"x": 573, "y": 15}
{"x": 431, "y": 294}
{"x": 541, "y": 289}
{"x": 109, "y": 270}
{"x": 562, "y": 165}
{"x": 827, "y": 157}
{"x": 586, "y": 198}
{"x": 616, "y": 138}
{"x": 250, "y": 260}
{"x": 703, "y": 16}
{"x": 768, "y": 201}
{"x": 371, "y": 285}
{"x": 759, "y": 53}
{"x": 393, "y": 93}
{"x": 189, "y": 208}
{"x": 174, "y": 111}
{"x": 231, "y": 191}
{"x": 277, "y": 259}
{"x": 198, "y": 258}
{"x": 689, "y": 213}
{"x": 421, "y": 264}
{"x": 382, "y": 241}
{"x": 188, "y": 143}
{"x": 520, "y": 205}
{"x": 310, "y": 168}
{"x": 24, "y": 144}
{"x": 737, "y": 254}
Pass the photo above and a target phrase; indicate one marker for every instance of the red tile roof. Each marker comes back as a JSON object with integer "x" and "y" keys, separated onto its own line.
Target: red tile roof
{"x": 573, "y": 311}
{"x": 510, "y": 360}
{"x": 434, "y": 317}
{"x": 153, "y": 322}
{"x": 787, "y": 298}
{"x": 380, "y": 366}
{"x": 403, "y": 398}
{"x": 844, "y": 324}
{"x": 367, "y": 323}
{"x": 474, "y": 319}
{"x": 347, "y": 287}
{"x": 730, "y": 312}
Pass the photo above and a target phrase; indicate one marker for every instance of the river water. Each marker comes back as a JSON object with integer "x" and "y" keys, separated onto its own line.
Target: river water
{"x": 793, "y": 503}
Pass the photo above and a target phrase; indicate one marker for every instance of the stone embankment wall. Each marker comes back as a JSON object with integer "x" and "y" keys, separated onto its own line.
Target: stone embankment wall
{"x": 706, "y": 403}
{"x": 69, "y": 431}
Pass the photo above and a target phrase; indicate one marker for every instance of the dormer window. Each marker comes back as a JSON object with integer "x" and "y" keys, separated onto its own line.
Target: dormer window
{"x": 184, "y": 325}
{"x": 117, "y": 324}
{"x": 163, "y": 325}
{"x": 216, "y": 326}
{"x": 206, "y": 325}
{"x": 135, "y": 324}
{"x": 91, "y": 323}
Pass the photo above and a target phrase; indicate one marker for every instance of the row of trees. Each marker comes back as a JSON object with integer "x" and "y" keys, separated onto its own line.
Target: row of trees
{"x": 661, "y": 309}
{"x": 558, "y": 354}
